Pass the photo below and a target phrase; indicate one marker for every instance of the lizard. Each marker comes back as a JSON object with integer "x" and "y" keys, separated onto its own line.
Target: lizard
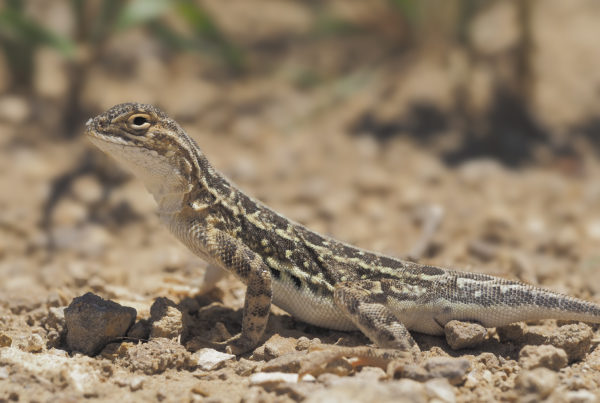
{"x": 315, "y": 278}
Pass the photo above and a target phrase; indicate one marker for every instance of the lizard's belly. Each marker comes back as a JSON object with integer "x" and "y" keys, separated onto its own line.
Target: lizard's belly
{"x": 315, "y": 309}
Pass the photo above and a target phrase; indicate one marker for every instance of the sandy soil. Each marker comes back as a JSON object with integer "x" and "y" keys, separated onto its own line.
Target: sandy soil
{"x": 352, "y": 158}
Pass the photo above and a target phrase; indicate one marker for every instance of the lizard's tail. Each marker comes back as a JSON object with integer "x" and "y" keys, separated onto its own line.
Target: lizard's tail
{"x": 502, "y": 301}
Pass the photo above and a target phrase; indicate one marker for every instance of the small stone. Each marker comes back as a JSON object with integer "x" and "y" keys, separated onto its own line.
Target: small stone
{"x": 140, "y": 330}
{"x": 575, "y": 339}
{"x": 3, "y": 373}
{"x": 34, "y": 343}
{"x": 166, "y": 319}
{"x": 5, "y": 340}
{"x": 440, "y": 390}
{"x": 269, "y": 378}
{"x": 543, "y": 356}
{"x": 277, "y": 346}
{"x": 581, "y": 396}
{"x": 156, "y": 356}
{"x": 209, "y": 359}
{"x": 464, "y": 334}
{"x": 414, "y": 372}
{"x": 136, "y": 383}
{"x": 245, "y": 367}
{"x": 512, "y": 332}
{"x": 352, "y": 390}
{"x": 303, "y": 343}
{"x": 535, "y": 385}
{"x": 92, "y": 322}
{"x": 452, "y": 369}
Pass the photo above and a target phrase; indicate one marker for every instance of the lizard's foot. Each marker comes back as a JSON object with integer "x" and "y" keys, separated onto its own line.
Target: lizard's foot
{"x": 237, "y": 344}
{"x": 318, "y": 357}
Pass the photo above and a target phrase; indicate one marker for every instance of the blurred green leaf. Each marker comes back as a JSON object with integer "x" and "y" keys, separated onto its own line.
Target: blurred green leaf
{"x": 169, "y": 37}
{"x": 408, "y": 8}
{"x": 17, "y": 28}
{"x": 206, "y": 29}
{"x": 142, "y": 11}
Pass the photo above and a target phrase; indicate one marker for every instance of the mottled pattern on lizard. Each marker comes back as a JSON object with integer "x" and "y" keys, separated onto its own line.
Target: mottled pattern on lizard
{"x": 315, "y": 278}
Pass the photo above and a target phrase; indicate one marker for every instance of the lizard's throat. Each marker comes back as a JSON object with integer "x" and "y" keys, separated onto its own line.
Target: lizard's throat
{"x": 167, "y": 184}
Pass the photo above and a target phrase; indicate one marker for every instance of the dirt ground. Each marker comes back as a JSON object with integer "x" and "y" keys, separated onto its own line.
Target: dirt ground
{"x": 344, "y": 136}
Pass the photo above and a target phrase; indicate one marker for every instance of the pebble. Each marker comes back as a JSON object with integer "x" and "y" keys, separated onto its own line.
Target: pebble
{"x": 461, "y": 335}
{"x": 453, "y": 369}
{"x": 136, "y": 383}
{"x": 140, "y": 330}
{"x": 31, "y": 343}
{"x": 266, "y": 378}
{"x": 92, "y": 322}
{"x": 351, "y": 390}
{"x": 546, "y": 356}
{"x": 5, "y": 340}
{"x": 166, "y": 319}
{"x": 535, "y": 385}
{"x": 3, "y": 373}
{"x": 440, "y": 390}
{"x": 208, "y": 359}
{"x": 574, "y": 339}
{"x": 34, "y": 343}
{"x": 581, "y": 396}
{"x": 512, "y": 332}
{"x": 156, "y": 356}
{"x": 275, "y": 347}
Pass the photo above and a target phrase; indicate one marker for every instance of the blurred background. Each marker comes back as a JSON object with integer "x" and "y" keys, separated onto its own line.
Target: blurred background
{"x": 357, "y": 118}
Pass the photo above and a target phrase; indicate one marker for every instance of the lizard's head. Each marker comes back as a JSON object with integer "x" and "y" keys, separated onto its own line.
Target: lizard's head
{"x": 149, "y": 143}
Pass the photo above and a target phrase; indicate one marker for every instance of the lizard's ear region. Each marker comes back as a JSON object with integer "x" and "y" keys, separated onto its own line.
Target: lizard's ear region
{"x": 139, "y": 123}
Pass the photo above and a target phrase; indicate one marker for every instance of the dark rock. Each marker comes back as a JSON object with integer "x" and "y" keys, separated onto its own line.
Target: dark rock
{"x": 92, "y": 322}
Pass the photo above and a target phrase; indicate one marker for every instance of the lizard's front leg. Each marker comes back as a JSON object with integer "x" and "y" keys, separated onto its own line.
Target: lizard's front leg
{"x": 235, "y": 257}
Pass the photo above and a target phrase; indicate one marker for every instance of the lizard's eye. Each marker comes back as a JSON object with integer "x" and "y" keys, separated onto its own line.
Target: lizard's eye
{"x": 139, "y": 121}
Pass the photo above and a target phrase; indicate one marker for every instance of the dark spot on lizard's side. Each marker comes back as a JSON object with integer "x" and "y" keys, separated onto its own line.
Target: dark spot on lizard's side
{"x": 296, "y": 280}
{"x": 432, "y": 271}
{"x": 275, "y": 273}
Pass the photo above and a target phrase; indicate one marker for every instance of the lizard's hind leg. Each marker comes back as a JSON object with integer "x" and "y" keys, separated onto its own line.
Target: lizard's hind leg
{"x": 367, "y": 309}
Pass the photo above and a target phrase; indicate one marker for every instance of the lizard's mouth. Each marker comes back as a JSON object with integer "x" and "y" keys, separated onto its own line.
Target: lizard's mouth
{"x": 93, "y": 129}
